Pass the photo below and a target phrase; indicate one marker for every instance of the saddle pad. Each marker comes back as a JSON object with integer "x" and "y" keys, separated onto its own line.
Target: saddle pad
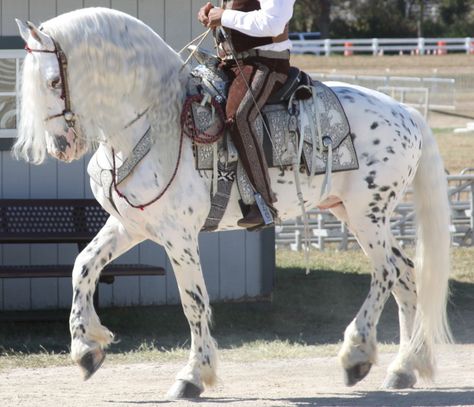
{"x": 283, "y": 143}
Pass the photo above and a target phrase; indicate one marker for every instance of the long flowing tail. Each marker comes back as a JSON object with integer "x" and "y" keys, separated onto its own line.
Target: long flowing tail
{"x": 432, "y": 252}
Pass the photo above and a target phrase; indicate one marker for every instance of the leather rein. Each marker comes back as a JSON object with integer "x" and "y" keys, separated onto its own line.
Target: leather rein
{"x": 70, "y": 119}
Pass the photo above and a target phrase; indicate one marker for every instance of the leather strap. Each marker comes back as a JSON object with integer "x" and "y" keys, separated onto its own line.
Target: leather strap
{"x": 259, "y": 53}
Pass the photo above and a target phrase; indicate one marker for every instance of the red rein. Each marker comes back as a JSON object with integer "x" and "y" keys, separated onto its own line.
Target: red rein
{"x": 188, "y": 128}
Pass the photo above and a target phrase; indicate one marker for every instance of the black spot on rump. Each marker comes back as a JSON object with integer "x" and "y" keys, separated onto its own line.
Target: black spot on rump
{"x": 374, "y": 125}
{"x": 376, "y": 141}
{"x": 175, "y": 261}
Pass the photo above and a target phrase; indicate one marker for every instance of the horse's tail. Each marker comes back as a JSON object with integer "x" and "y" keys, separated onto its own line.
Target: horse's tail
{"x": 432, "y": 264}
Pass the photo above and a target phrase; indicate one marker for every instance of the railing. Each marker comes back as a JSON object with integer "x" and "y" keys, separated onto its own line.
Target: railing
{"x": 379, "y": 46}
{"x": 440, "y": 92}
{"x": 325, "y": 228}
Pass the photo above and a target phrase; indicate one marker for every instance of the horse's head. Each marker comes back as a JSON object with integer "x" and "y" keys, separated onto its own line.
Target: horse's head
{"x": 47, "y": 122}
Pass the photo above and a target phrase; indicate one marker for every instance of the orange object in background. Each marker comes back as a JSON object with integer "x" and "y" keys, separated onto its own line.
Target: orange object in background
{"x": 442, "y": 48}
{"x": 348, "y": 49}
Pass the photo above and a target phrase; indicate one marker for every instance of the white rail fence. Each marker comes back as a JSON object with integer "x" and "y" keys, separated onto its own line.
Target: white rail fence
{"x": 380, "y": 46}
{"x": 423, "y": 93}
{"x": 326, "y": 229}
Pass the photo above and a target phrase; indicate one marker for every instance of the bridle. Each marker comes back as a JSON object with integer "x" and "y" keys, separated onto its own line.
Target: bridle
{"x": 70, "y": 119}
{"x": 67, "y": 113}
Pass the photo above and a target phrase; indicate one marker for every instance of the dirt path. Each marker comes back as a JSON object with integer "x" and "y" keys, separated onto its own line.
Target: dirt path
{"x": 295, "y": 382}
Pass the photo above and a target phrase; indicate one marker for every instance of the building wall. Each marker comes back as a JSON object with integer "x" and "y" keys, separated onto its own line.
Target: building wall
{"x": 235, "y": 263}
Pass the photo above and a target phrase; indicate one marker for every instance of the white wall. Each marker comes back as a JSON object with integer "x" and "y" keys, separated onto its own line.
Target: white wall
{"x": 233, "y": 261}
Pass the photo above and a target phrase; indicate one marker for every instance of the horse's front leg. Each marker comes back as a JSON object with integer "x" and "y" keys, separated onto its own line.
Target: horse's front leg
{"x": 89, "y": 337}
{"x": 200, "y": 371}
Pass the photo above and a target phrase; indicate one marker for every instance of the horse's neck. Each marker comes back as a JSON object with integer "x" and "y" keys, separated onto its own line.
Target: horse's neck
{"x": 163, "y": 151}
{"x": 127, "y": 132}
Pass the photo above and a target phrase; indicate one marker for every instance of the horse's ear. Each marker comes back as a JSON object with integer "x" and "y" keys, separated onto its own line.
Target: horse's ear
{"x": 24, "y": 31}
{"x": 28, "y": 30}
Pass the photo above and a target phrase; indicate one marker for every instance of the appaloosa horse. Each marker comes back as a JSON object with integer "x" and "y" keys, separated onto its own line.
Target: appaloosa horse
{"x": 98, "y": 78}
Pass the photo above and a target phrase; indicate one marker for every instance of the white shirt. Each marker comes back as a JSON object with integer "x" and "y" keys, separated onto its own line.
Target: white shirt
{"x": 269, "y": 21}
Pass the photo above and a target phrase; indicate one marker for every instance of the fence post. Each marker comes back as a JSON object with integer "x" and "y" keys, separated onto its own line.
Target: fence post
{"x": 421, "y": 46}
{"x": 469, "y": 45}
{"x": 344, "y": 237}
{"x": 297, "y": 244}
{"x": 375, "y": 46}
{"x": 327, "y": 47}
{"x": 471, "y": 205}
{"x": 321, "y": 242}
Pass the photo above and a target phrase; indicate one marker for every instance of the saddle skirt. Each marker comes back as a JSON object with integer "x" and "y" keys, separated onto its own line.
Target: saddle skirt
{"x": 289, "y": 124}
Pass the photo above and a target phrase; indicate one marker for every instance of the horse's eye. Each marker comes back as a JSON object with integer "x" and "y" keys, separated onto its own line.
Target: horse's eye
{"x": 55, "y": 83}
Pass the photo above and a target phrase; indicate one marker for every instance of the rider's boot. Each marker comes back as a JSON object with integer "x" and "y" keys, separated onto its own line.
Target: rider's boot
{"x": 252, "y": 219}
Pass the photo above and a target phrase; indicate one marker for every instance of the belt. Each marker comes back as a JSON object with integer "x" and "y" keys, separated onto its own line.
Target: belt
{"x": 259, "y": 53}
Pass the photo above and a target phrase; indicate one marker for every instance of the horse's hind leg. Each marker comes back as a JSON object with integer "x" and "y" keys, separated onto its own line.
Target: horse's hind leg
{"x": 200, "y": 371}
{"x": 359, "y": 350}
{"x": 401, "y": 372}
{"x": 89, "y": 337}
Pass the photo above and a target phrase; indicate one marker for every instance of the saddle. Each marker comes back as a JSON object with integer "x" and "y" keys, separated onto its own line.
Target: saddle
{"x": 303, "y": 124}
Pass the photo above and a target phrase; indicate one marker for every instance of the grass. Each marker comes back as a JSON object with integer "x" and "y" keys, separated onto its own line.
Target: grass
{"x": 456, "y": 66}
{"x": 306, "y": 318}
{"x": 447, "y": 65}
{"x": 456, "y": 149}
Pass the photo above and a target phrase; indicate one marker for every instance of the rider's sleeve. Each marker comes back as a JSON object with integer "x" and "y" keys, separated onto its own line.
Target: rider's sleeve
{"x": 269, "y": 21}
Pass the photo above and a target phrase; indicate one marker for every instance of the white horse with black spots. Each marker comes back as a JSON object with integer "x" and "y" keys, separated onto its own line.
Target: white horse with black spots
{"x": 122, "y": 78}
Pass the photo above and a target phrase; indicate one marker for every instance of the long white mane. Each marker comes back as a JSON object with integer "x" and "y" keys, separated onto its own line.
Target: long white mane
{"x": 113, "y": 59}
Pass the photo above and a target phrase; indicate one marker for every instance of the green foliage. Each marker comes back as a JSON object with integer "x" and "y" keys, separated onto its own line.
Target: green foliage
{"x": 385, "y": 18}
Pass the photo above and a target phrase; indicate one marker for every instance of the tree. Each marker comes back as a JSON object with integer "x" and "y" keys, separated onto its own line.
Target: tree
{"x": 384, "y": 18}
{"x": 312, "y": 15}
{"x": 324, "y": 17}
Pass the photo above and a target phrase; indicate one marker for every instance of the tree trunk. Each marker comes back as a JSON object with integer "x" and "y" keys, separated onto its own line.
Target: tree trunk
{"x": 324, "y": 17}
{"x": 421, "y": 15}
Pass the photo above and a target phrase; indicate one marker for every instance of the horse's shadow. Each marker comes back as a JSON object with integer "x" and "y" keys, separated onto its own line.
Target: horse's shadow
{"x": 443, "y": 397}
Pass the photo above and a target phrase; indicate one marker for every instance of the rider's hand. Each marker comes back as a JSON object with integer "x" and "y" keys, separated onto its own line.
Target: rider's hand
{"x": 214, "y": 17}
{"x": 203, "y": 13}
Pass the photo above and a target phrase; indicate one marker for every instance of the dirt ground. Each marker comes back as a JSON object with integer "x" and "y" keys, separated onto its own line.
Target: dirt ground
{"x": 295, "y": 382}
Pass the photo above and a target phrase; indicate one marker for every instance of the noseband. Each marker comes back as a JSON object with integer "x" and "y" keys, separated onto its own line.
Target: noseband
{"x": 67, "y": 113}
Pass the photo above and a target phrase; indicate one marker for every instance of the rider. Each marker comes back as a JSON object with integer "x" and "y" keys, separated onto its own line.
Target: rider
{"x": 253, "y": 44}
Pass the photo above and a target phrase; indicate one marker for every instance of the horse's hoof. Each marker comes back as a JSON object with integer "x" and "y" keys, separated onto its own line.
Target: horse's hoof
{"x": 356, "y": 373}
{"x": 183, "y": 389}
{"x": 399, "y": 381}
{"x": 91, "y": 362}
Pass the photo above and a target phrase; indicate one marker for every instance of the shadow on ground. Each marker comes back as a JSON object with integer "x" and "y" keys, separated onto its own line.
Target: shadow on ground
{"x": 446, "y": 397}
{"x": 313, "y": 309}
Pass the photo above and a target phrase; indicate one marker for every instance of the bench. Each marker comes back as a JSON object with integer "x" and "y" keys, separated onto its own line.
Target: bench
{"x": 58, "y": 221}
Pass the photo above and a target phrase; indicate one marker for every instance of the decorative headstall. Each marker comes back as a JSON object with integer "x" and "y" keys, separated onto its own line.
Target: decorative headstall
{"x": 67, "y": 113}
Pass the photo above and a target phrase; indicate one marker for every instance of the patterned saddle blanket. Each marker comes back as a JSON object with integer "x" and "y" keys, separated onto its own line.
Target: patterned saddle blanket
{"x": 314, "y": 126}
